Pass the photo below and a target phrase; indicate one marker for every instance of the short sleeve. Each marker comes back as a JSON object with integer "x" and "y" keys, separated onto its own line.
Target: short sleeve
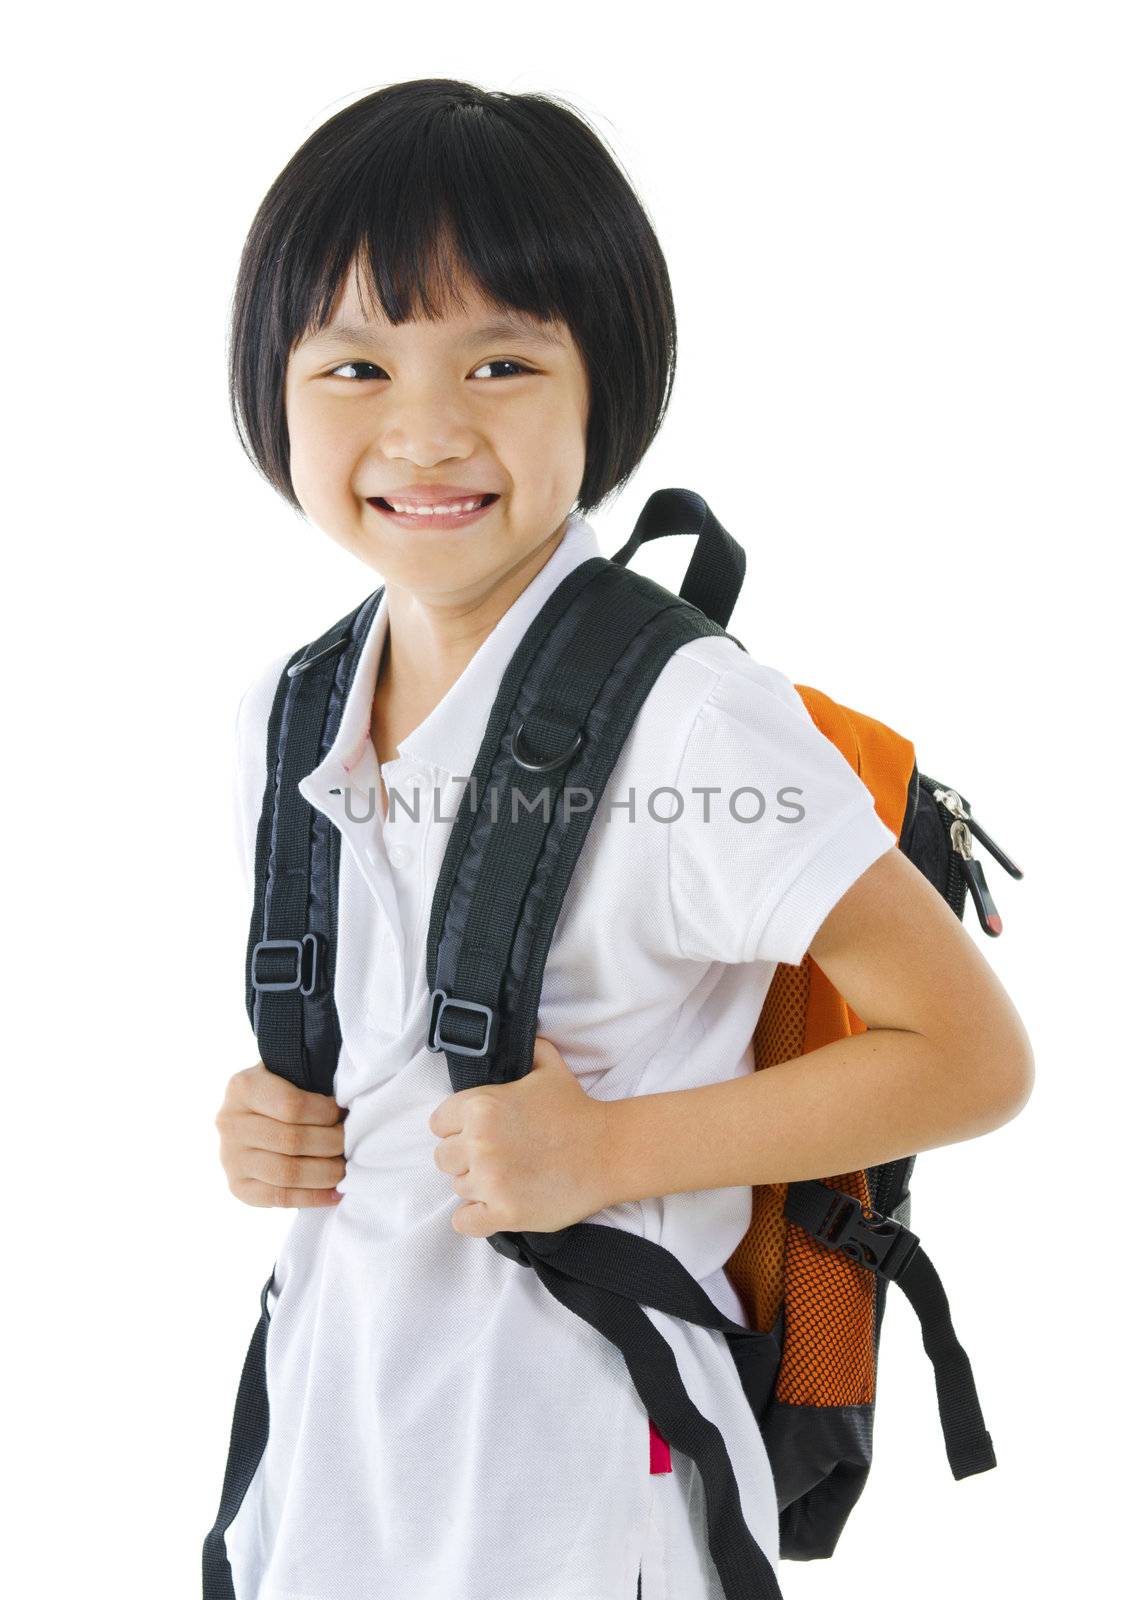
{"x": 756, "y": 866}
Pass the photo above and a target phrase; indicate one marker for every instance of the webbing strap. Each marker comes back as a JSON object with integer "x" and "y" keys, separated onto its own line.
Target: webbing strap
{"x": 606, "y": 1276}
{"x": 248, "y": 1434}
{"x": 884, "y": 1245}
{"x": 966, "y": 1439}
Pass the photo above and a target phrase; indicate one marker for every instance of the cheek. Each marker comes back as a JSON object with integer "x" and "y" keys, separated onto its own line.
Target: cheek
{"x": 556, "y": 428}
{"x": 322, "y": 453}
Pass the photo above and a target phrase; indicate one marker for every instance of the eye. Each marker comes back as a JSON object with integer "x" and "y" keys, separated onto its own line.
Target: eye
{"x": 506, "y": 362}
{"x": 345, "y": 364}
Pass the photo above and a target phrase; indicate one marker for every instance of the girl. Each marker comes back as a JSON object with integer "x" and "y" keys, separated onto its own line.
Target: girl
{"x": 452, "y": 297}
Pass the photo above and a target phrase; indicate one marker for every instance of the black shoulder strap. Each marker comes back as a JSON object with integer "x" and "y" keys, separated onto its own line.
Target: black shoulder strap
{"x": 292, "y": 946}
{"x": 291, "y": 957}
{"x": 564, "y": 711}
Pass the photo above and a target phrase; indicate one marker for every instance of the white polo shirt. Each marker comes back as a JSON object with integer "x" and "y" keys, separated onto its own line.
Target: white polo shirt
{"x": 441, "y": 1428}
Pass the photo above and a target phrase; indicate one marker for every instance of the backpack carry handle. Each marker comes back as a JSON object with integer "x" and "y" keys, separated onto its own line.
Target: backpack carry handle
{"x": 716, "y": 572}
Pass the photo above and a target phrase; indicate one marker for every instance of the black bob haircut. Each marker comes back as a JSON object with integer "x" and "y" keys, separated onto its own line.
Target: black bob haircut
{"x": 517, "y": 190}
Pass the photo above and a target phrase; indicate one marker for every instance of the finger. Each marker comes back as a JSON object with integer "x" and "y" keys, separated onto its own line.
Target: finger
{"x": 450, "y": 1157}
{"x": 255, "y": 1193}
{"x": 445, "y": 1119}
{"x": 292, "y": 1172}
{"x": 546, "y": 1054}
{"x": 274, "y": 1096}
{"x": 473, "y": 1220}
{"x": 253, "y": 1131}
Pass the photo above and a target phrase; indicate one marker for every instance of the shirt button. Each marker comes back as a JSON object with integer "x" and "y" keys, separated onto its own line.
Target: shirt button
{"x": 399, "y": 856}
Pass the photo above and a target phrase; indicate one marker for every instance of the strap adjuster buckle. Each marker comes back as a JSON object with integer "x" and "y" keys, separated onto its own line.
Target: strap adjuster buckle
{"x": 436, "y": 1014}
{"x": 304, "y": 975}
{"x": 878, "y": 1242}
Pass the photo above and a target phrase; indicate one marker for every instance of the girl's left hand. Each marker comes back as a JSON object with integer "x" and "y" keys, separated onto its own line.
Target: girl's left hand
{"x": 528, "y": 1155}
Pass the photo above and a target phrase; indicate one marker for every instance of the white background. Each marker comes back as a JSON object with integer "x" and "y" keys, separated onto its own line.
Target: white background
{"x": 904, "y": 245}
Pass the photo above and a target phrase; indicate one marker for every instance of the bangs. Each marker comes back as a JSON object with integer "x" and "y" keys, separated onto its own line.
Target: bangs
{"x": 418, "y": 231}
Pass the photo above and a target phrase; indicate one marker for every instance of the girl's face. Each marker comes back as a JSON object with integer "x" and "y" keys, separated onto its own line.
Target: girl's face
{"x": 374, "y": 409}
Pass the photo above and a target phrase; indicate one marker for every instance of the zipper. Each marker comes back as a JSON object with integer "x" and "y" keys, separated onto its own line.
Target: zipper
{"x": 966, "y": 869}
{"x": 971, "y": 869}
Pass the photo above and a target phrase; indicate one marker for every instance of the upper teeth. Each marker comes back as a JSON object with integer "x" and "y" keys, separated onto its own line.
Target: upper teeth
{"x": 444, "y": 510}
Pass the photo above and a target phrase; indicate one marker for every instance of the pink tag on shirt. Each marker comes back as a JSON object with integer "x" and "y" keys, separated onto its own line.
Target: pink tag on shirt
{"x": 659, "y": 1451}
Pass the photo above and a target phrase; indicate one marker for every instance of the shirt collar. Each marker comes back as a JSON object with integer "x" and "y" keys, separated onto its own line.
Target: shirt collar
{"x": 450, "y": 736}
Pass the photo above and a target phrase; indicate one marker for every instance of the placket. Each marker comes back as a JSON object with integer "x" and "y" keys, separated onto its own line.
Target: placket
{"x": 356, "y": 812}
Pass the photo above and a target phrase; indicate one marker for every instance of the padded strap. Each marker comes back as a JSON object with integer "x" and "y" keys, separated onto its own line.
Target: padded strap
{"x": 291, "y": 948}
{"x": 569, "y": 697}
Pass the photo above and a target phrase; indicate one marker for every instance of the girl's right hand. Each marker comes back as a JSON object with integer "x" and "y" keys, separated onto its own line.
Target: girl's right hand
{"x": 280, "y": 1145}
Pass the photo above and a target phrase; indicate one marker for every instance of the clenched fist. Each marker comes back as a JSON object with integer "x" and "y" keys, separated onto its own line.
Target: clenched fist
{"x": 280, "y": 1145}
{"x": 530, "y": 1155}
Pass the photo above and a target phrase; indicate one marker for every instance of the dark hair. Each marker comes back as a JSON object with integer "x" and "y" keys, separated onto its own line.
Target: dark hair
{"x": 518, "y": 191}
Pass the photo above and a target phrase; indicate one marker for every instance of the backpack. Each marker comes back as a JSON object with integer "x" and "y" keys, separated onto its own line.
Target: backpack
{"x": 814, "y": 1266}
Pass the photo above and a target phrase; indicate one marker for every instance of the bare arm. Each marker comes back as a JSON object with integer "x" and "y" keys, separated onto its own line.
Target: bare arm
{"x": 945, "y": 1058}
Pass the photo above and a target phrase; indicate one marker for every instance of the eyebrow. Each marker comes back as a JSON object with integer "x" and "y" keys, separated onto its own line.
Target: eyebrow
{"x": 504, "y": 327}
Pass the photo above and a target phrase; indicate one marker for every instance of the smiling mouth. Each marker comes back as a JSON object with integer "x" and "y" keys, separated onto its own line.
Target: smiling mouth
{"x": 427, "y": 512}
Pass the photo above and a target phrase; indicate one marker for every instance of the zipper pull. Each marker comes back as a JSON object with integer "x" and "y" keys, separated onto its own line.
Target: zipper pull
{"x": 989, "y": 919}
{"x": 988, "y": 843}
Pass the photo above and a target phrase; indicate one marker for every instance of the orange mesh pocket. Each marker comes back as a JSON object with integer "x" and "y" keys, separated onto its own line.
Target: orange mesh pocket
{"x": 757, "y": 1267}
{"x": 828, "y": 1355}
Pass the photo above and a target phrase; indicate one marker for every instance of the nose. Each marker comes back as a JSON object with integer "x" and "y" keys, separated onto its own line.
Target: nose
{"x": 426, "y": 426}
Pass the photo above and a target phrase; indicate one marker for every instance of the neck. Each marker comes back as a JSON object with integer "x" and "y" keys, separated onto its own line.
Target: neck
{"x": 429, "y": 643}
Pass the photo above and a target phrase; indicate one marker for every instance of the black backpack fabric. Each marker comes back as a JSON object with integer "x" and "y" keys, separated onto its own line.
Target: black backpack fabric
{"x": 564, "y": 709}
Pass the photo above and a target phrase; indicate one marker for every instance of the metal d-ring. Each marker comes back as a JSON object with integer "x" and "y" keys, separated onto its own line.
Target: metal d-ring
{"x": 543, "y": 766}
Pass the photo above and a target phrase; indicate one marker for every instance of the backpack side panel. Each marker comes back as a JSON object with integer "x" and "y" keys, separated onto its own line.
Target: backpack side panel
{"x": 817, "y": 1424}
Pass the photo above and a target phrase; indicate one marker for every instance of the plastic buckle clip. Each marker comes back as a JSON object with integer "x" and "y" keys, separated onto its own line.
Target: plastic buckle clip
{"x": 307, "y": 944}
{"x": 436, "y": 1014}
{"x": 878, "y": 1242}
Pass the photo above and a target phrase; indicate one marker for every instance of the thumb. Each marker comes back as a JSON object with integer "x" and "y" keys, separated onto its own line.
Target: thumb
{"x": 546, "y": 1054}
